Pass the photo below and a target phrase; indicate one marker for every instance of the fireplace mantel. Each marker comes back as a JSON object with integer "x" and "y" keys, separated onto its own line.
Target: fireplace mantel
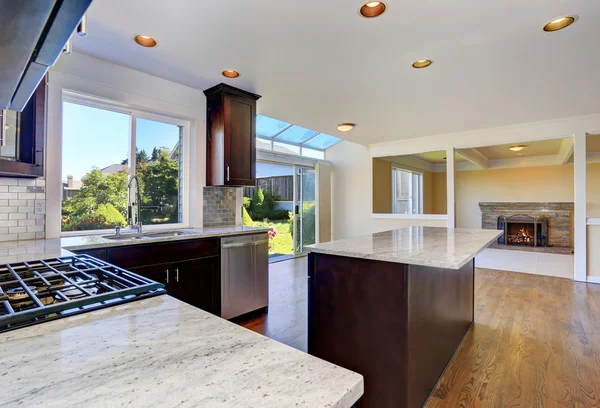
{"x": 559, "y": 216}
{"x": 526, "y": 207}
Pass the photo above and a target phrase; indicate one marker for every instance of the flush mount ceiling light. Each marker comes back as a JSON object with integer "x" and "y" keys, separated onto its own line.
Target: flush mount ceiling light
{"x": 345, "y": 127}
{"x": 559, "y": 23}
{"x": 372, "y": 9}
{"x": 230, "y": 73}
{"x": 517, "y": 148}
{"x": 145, "y": 41}
{"x": 422, "y": 63}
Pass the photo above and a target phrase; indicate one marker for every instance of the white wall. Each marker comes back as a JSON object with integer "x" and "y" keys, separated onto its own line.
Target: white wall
{"x": 87, "y": 75}
{"x": 352, "y": 194}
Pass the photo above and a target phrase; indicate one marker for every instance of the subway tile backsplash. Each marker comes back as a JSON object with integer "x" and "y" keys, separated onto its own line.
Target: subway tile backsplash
{"x": 219, "y": 206}
{"x": 18, "y": 220}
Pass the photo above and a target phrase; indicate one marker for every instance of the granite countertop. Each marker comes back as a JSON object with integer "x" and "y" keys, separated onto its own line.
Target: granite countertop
{"x": 30, "y": 250}
{"x": 427, "y": 246}
{"x": 97, "y": 241}
{"x": 163, "y": 352}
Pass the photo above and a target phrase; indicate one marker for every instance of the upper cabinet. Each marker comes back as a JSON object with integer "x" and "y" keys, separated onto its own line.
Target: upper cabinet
{"x": 230, "y": 136}
{"x": 22, "y": 137}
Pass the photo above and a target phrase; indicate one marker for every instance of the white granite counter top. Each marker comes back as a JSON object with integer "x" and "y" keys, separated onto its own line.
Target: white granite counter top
{"x": 427, "y": 246}
{"x": 30, "y": 250}
{"x": 97, "y": 241}
{"x": 163, "y": 352}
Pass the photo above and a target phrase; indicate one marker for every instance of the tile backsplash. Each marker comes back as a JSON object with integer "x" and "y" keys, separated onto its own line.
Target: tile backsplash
{"x": 18, "y": 218}
{"x": 219, "y": 205}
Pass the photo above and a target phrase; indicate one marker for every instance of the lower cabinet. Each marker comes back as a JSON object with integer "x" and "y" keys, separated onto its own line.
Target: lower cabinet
{"x": 197, "y": 282}
{"x": 190, "y": 270}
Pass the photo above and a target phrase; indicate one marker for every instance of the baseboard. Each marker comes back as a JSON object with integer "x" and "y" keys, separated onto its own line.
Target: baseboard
{"x": 593, "y": 279}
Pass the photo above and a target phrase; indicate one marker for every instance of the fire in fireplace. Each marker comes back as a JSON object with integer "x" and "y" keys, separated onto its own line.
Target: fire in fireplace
{"x": 523, "y": 230}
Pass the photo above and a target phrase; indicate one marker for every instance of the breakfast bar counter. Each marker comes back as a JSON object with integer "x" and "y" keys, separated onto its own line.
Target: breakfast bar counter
{"x": 393, "y": 306}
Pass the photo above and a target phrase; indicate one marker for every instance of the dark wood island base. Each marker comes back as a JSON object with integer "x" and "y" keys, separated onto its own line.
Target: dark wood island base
{"x": 396, "y": 324}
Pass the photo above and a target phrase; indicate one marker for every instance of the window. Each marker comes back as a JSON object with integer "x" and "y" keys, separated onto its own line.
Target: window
{"x": 283, "y": 137}
{"x": 97, "y": 163}
{"x": 315, "y": 154}
{"x": 407, "y": 187}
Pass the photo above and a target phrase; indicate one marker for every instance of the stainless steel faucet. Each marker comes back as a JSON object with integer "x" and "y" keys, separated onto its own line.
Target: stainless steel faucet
{"x": 137, "y": 201}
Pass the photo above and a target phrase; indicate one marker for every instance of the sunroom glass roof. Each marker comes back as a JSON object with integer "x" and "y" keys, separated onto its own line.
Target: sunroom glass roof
{"x": 287, "y": 133}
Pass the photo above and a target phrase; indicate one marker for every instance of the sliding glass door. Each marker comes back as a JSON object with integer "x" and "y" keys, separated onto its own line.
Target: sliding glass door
{"x": 304, "y": 214}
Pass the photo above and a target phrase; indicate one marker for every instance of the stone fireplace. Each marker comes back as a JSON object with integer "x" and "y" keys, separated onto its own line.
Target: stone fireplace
{"x": 531, "y": 226}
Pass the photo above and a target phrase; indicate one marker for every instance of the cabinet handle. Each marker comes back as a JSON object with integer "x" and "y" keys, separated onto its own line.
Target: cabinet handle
{"x": 177, "y": 275}
{"x": 228, "y": 172}
{"x": 167, "y": 272}
{"x": 3, "y": 114}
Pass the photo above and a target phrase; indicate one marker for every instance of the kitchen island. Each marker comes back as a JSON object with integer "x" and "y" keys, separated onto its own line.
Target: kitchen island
{"x": 163, "y": 352}
{"x": 393, "y": 306}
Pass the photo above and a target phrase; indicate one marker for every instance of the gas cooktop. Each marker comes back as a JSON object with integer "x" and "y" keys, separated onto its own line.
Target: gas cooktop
{"x": 39, "y": 291}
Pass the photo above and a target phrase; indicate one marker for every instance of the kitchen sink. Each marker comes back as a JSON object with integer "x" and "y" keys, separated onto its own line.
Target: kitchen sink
{"x": 148, "y": 235}
{"x": 123, "y": 237}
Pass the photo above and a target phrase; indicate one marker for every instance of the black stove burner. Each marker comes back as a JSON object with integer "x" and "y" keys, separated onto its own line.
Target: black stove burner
{"x": 33, "y": 292}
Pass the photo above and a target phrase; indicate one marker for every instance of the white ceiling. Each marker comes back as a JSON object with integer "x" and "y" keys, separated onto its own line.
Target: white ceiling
{"x": 533, "y": 149}
{"x": 492, "y": 63}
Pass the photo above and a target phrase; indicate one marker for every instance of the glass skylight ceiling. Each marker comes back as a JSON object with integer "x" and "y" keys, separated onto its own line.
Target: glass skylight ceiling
{"x": 278, "y": 131}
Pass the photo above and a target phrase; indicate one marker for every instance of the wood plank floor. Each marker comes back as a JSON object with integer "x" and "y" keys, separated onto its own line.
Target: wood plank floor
{"x": 535, "y": 341}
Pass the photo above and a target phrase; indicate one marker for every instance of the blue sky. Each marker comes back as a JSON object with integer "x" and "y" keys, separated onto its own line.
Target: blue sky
{"x": 98, "y": 138}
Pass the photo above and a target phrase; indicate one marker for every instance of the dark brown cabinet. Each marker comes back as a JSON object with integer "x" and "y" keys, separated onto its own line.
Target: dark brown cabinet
{"x": 190, "y": 270}
{"x": 23, "y": 136}
{"x": 230, "y": 136}
{"x": 197, "y": 282}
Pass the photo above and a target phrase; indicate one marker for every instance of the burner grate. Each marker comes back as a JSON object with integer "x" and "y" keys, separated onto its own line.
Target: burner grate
{"x": 32, "y": 292}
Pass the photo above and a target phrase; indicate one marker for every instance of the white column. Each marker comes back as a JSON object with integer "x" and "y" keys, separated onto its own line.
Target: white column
{"x": 580, "y": 258}
{"x": 450, "y": 187}
{"x": 53, "y": 160}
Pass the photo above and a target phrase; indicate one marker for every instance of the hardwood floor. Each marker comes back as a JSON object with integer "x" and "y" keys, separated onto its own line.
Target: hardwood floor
{"x": 286, "y": 321}
{"x": 535, "y": 341}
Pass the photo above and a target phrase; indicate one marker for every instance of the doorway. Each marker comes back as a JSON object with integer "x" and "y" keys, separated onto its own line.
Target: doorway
{"x": 284, "y": 200}
{"x": 305, "y": 217}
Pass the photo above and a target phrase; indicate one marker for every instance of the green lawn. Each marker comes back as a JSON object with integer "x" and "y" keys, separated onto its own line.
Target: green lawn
{"x": 282, "y": 244}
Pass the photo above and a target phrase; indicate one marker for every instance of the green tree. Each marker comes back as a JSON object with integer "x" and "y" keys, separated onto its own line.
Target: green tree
{"x": 140, "y": 157}
{"x": 97, "y": 190}
{"x": 159, "y": 182}
{"x": 155, "y": 154}
{"x": 246, "y": 220}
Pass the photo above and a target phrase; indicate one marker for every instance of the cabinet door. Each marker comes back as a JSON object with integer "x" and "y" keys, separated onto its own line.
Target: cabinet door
{"x": 22, "y": 137}
{"x": 197, "y": 282}
{"x": 240, "y": 141}
{"x": 161, "y": 273}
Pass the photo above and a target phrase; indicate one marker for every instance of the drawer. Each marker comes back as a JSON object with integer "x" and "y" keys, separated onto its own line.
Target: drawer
{"x": 140, "y": 255}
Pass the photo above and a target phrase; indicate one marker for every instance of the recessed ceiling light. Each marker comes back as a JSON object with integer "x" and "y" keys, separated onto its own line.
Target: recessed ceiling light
{"x": 145, "y": 41}
{"x": 559, "y": 23}
{"x": 345, "y": 127}
{"x": 230, "y": 73}
{"x": 517, "y": 148}
{"x": 372, "y": 9}
{"x": 422, "y": 63}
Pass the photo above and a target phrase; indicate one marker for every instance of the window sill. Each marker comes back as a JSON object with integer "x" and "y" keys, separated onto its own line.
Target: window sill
{"x": 411, "y": 216}
{"x": 593, "y": 221}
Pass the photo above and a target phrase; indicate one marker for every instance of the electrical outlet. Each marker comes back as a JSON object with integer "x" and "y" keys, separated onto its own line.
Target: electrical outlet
{"x": 40, "y": 206}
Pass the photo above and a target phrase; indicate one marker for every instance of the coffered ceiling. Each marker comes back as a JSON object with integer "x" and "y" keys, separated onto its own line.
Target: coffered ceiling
{"x": 317, "y": 63}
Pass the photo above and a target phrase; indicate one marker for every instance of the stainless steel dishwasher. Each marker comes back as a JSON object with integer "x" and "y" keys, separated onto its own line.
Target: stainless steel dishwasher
{"x": 244, "y": 274}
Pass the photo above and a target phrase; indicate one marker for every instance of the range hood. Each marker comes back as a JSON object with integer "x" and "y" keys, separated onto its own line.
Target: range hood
{"x": 32, "y": 36}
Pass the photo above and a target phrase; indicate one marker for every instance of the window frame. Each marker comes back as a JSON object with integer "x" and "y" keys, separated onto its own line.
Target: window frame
{"x": 134, "y": 114}
{"x": 419, "y": 174}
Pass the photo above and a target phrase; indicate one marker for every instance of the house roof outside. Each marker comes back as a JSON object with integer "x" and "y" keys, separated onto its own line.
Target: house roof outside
{"x": 113, "y": 168}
